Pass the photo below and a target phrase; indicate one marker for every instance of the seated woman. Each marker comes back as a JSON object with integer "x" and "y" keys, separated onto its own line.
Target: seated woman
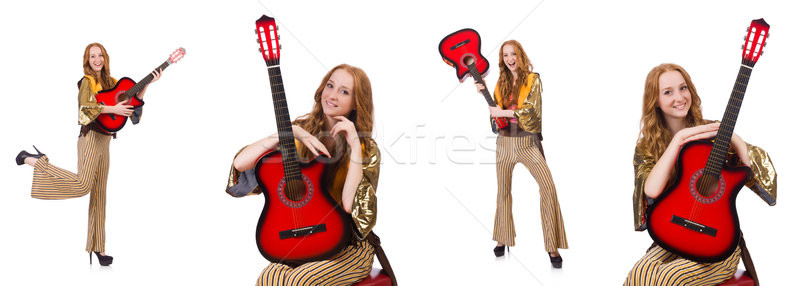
{"x": 671, "y": 117}
{"x": 340, "y": 121}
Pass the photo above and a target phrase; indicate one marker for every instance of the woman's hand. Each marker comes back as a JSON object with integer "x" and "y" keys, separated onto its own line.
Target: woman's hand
{"x": 349, "y": 129}
{"x": 480, "y": 87}
{"x": 699, "y": 132}
{"x": 313, "y": 144}
{"x": 156, "y": 75}
{"x": 496, "y": 111}
{"x": 119, "y": 109}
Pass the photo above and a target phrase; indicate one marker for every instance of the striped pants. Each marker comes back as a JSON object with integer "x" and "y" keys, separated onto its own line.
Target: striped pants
{"x": 349, "y": 266}
{"x": 54, "y": 183}
{"x": 513, "y": 150}
{"x": 661, "y": 267}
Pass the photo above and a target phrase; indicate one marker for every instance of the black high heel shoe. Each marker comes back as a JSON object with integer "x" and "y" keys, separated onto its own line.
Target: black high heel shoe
{"x": 24, "y": 154}
{"x": 105, "y": 260}
{"x": 501, "y": 250}
{"x": 555, "y": 260}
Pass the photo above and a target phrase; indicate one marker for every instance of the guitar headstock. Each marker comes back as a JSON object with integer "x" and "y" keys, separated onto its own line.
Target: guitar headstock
{"x": 177, "y": 55}
{"x": 268, "y": 37}
{"x": 755, "y": 41}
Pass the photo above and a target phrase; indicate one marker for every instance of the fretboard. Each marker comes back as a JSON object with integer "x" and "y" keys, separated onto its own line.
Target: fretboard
{"x": 144, "y": 82}
{"x": 479, "y": 78}
{"x": 723, "y": 140}
{"x": 285, "y": 136}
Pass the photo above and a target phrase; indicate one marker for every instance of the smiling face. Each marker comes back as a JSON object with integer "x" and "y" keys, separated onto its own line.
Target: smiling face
{"x": 674, "y": 97}
{"x": 96, "y": 59}
{"x": 337, "y": 95}
{"x": 510, "y": 58}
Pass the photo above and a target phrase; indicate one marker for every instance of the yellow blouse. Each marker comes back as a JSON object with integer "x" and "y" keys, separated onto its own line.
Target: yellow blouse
{"x": 365, "y": 202}
{"x": 529, "y": 108}
{"x": 763, "y": 181}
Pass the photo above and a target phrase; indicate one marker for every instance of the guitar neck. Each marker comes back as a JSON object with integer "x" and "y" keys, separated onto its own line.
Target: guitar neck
{"x": 145, "y": 81}
{"x": 723, "y": 139}
{"x": 473, "y": 70}
{"x": 285, "y": 136}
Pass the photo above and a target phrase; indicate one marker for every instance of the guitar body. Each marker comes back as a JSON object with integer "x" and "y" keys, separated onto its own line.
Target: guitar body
{"x": 694, "y": 226}
{"x": 462, "y": 50}
{"x": 461, "y": 46}
{"x": 108, "y": 122}
{"x": 293, "y": 232}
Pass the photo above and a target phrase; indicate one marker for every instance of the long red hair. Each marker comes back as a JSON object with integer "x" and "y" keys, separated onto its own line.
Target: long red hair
{"x": 654, "y": 135}
{"x": 314, "y": 121}
{"x": 104, "y": 78}
{"x": 506, "y": 80}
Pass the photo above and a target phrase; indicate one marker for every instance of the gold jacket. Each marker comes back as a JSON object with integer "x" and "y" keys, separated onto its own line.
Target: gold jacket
{"x": 763, "y": 181}
{"x": 529, "y": 108}
{"x": 365, "y": 202}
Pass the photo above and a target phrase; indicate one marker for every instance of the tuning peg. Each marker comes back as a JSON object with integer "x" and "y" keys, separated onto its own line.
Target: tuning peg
{"x": 280, "y": 46}
{"x": 764, "y": 45}
{"x": 256, "y": 31}
{"x": 767, "y": 35}
{"x": 742, "y": 46}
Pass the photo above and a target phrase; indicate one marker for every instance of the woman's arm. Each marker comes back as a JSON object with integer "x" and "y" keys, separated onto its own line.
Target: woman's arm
{"x": 353, "y": 178}
{"x": 246, "y": 159}
{"x": 660, "y": 173}
{"x": 741, "y": 149}
{"x": 496, "y": 111}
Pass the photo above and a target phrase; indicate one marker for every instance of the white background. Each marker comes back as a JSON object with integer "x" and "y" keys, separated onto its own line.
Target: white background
{"x": 170, "y": 223}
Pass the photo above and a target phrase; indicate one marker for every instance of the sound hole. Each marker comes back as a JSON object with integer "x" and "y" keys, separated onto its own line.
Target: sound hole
{"x": 295, "y": 190}
{"x": 706, "y": 189}
{"x": 121, "y": 96}
{"x": 468, "y": 60}
{"x": 295, "y": 193}
{"x": 707, "y": 185}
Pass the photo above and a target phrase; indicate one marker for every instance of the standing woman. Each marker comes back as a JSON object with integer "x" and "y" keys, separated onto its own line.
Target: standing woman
{"x": 518, "y": 94}
{"x": 54, "y": 183}
{"x": 341, "y": 122}
{"x": 672, "y": 117}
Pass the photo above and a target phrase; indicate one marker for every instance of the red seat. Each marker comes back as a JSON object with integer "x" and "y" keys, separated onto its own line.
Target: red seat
{"x": 378, "y": 278}
{"x": 741, "y": 278}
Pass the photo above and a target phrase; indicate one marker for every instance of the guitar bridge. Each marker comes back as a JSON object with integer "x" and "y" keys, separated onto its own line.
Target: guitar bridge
{"x": 704, "y": 229}
{"x": 303, "y": 231}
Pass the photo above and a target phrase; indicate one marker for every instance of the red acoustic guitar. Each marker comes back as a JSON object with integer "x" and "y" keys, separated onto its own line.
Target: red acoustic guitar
{"x": 300, "y": 221}
{"x": 125, "y": 91}
{"x": 462, "y": 50}
{"x": 696, "y": 217}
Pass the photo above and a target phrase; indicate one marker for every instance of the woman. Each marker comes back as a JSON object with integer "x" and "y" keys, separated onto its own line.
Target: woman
{"x": 54, "y": 183}
{"x": 340, "y": 121}
{"x": 518, "y": 94}
{"x": 671, "y": 117}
